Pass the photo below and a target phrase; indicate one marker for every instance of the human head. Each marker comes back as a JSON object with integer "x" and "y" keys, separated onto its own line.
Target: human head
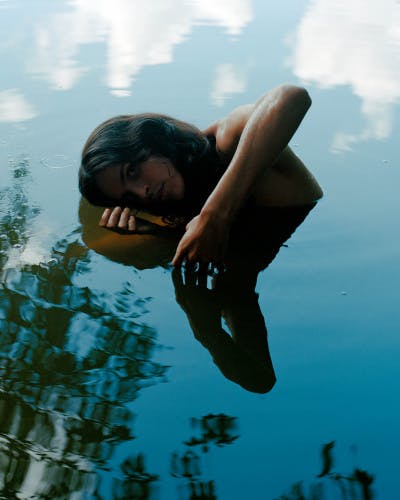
{"x": 133, "y": 139}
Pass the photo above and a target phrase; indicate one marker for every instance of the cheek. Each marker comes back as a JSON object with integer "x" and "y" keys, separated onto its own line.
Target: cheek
{"x": 180, "y": 186}
{"x": 107, "y": 183}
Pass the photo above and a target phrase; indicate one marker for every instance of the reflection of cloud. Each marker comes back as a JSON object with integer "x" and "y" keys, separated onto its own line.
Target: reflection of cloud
{"x": 228, "y": 80}
{"x": 379, "y": 123}
{"x": 14, "y": 107}
{"x": 351, "y": 43}
{"x": 230, "y": 14}
{"x": 136, "y": 34}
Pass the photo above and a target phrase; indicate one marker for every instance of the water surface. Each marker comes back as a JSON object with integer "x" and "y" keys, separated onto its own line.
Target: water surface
{"x": 105, "y": 390}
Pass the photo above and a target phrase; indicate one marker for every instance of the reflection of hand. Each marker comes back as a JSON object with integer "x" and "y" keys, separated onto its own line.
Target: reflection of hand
{"x": 201, "y": 305}
{"x": 121, "y": 221}
{"x": 205, "y": 241}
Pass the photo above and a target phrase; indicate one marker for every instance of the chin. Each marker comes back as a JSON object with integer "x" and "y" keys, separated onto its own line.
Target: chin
{"x": 170, "y": 207}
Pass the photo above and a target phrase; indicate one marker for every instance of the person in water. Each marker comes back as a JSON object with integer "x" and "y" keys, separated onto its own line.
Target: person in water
{"x": 169, "y": 167}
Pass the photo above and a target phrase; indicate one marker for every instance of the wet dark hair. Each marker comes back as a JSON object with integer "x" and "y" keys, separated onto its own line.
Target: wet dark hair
{"x": 133, "y": 139}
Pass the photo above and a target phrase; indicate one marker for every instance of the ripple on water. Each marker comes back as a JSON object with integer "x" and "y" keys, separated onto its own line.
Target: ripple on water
{"x": 57, "y": 162}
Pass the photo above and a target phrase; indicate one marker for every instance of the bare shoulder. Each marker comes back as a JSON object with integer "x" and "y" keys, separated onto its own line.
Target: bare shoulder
{"x": 227, "y": 130}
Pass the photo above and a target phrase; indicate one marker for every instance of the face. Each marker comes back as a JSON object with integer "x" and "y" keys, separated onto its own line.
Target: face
{"x": 152, "y": 182}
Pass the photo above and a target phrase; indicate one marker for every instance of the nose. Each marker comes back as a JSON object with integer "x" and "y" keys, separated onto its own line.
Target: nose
{"x": 140, "y": 190}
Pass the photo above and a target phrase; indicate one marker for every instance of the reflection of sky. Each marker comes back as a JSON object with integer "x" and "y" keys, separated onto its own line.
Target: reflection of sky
{"x": 228, "y": 80}
{"x": 351, "y": 43}
{"x": 14, "y": 107}
{"x": 332, "y": 351}
{"x": 135, "y": 34}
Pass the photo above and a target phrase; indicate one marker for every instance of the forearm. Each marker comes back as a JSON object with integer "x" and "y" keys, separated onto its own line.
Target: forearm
{"x": 271, "y": 125}
{"x": 263, "y": 131}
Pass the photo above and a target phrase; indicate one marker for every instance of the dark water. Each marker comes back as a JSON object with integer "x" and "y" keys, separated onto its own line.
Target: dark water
{"x": 116, "y": 379}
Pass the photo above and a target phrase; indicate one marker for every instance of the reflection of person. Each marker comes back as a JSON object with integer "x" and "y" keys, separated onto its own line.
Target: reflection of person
{"x": 241, "y": 351}
{"x": 169, "y": 167}
{"x": 142, "y": 251}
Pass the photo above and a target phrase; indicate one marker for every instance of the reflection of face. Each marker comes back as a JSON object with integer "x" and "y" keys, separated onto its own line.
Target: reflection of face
{"x": 151, "y": 182}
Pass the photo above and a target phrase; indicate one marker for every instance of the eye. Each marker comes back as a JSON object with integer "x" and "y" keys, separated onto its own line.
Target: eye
{"x": 131, "y": 171}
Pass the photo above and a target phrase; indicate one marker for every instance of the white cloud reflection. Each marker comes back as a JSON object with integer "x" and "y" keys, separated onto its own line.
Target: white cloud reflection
{"x": 357, "y": 44}
{"x": 228, "y": 80}
{"x": 135, "y": 34}
{"x": 14, "y": 107}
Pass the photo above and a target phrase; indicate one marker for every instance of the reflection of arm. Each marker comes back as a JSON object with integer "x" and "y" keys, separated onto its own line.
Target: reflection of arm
{"x": 237, "y": 363}
{"x": 246, "y": 323}
{"x": 249, "y": 335}
{"x": 243, "y": 357}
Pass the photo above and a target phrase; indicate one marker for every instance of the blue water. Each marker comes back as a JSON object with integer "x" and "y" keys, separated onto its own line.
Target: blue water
{"x": 105, "y": 391}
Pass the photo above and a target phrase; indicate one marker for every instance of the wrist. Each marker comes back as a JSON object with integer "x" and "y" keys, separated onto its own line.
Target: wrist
{"x": 216, "y": 220}
{"x": 217, "y": 215}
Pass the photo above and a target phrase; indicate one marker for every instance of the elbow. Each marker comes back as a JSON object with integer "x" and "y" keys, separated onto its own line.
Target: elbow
{"x": 297, "y": 96}
{"x": 261, "y": 384}
{"x": 261, "y": 388}
{"x": 304, "y": 96}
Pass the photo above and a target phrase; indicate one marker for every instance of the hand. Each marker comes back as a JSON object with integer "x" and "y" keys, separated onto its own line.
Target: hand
{"x": 205, "y": 241}
{"x": 201, "y": 305}
{"x": 121, "y": 221}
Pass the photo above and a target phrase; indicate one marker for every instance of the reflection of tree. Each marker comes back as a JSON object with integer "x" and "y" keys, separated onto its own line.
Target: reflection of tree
{"x": 16, "y": 211}
{"x": 355, "y": 486}
{"x": 70, "y": 358}
{"x": 218, "y": 430}
{"x": 137, "y": 483}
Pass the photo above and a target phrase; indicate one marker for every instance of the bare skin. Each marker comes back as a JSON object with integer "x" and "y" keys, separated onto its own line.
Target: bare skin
{"x": 154, "y": 180}
{"x": 253, "y": 139}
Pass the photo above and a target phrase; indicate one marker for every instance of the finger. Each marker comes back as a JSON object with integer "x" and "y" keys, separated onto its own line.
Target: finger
{"x": 202, "y": 275}
{"x": 114, "y": 217}
{"x": 203, "y": 268}
{"x": 190, "y": 265}
{"x": 190, "y": 275}
{"x": 209, "y": 269}
{"x": 177, "y": 279}
{"x": 178, "y": 257}
{"x": 220, "y": 268}
{"x": 214, "y": 282}
{"x": 104, "y": 218}
{"x": 132, "y": 223}
{"x": 179, "y": 286}
{"x": 124, "y": 218}
{"x": 217, "y": 271}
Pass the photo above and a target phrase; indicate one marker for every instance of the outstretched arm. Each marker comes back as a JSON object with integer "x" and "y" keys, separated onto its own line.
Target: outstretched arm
{"x": 257, "y": 134}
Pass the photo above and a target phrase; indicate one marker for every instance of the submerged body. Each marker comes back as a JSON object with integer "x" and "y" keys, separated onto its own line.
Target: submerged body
{"x": 254, "y": 165}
